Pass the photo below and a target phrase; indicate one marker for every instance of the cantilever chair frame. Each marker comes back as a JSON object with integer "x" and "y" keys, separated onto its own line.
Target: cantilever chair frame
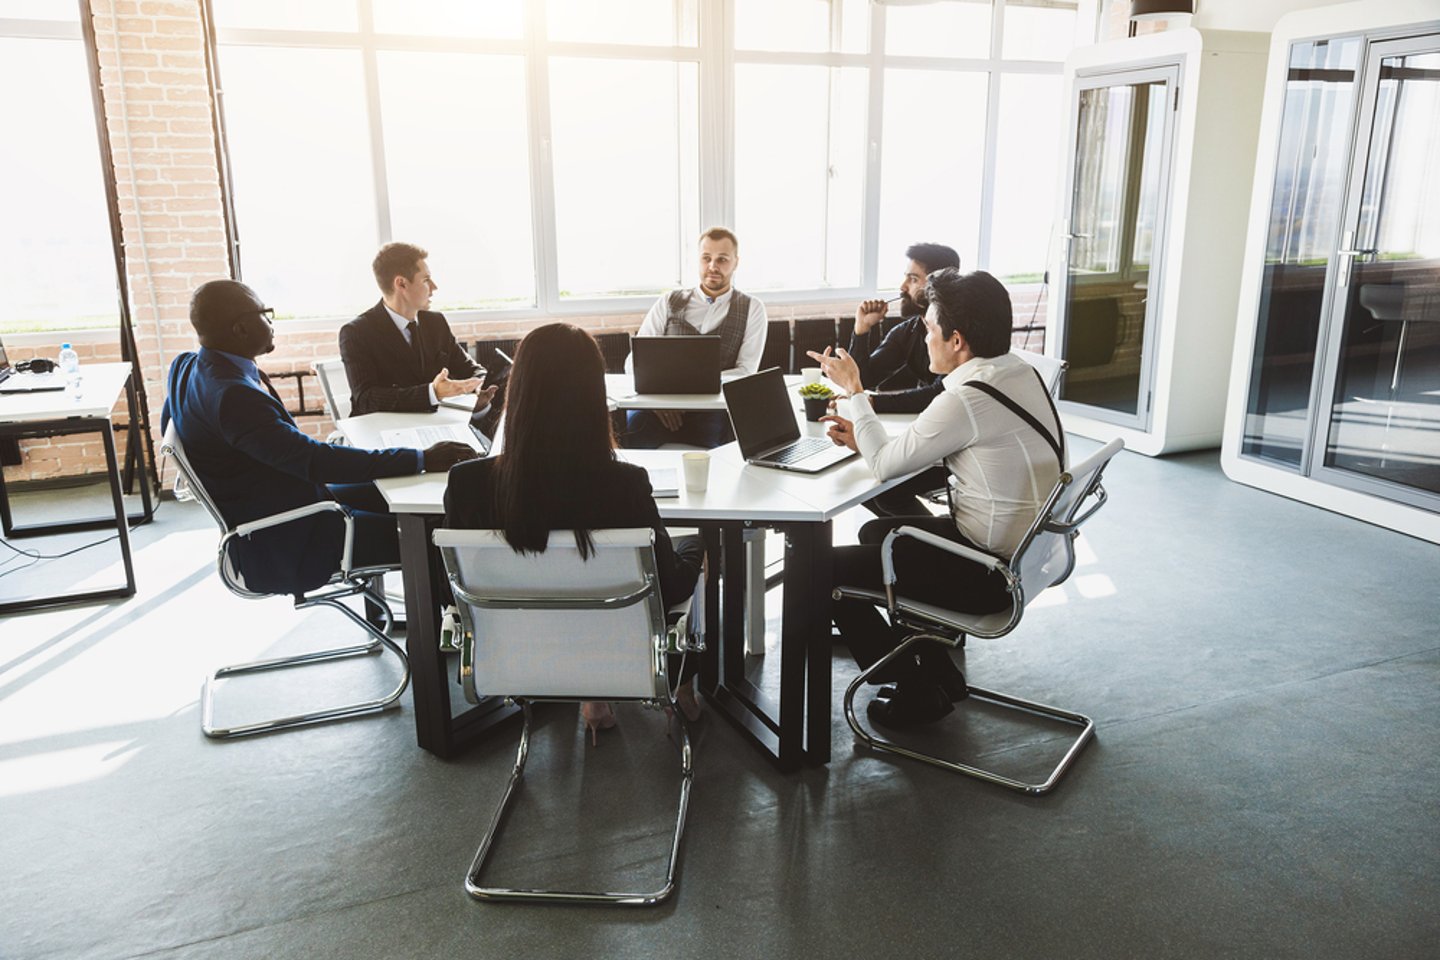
{"x": 348, "y": 582}
{"x": 662, "y": 641}
{"x": 926, "y": 622}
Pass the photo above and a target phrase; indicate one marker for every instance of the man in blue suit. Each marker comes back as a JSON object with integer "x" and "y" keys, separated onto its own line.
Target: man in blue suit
{"x": 255, "y": 462}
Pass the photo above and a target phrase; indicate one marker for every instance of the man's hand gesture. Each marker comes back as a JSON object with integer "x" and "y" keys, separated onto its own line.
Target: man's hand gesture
{"x": 445, "y": 387}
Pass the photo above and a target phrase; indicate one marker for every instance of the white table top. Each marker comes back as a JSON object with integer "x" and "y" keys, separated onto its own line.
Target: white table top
{"x": 100, "y": 386}
{"x": 736, "y": 490}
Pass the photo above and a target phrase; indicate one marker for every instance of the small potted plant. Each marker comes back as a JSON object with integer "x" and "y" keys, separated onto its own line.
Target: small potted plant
{"x": 817, "y": 399}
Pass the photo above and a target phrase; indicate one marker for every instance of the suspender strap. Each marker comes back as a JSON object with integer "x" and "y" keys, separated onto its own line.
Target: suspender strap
{"x": 1024, "y": 414}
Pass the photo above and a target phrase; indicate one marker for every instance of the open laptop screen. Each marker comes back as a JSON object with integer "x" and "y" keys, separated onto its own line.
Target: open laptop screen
{"x": 760, "y": 412}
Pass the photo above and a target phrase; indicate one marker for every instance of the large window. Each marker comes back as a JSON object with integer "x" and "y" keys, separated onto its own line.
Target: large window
{"x": 57, "y": 264}
{"x": 557, "y": 157}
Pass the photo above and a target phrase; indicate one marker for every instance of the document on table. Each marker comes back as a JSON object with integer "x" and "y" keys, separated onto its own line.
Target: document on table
{"x": 421, "y": 438}
{"x": 664, "y": 481}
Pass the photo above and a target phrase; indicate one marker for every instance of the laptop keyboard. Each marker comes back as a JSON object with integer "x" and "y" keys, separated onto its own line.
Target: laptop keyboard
{"x": 800, "y": 449}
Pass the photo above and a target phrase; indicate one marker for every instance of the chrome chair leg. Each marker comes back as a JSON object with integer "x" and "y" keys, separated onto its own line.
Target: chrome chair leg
{"x": 380, "y": 641}
{"x": 1086, "y": 734}
{"x": 483, "y": 893}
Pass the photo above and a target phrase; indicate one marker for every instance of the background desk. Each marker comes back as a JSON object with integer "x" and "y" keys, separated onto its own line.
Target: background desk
{"x": 55, "y": 413}
{"x": 793, "y": 731}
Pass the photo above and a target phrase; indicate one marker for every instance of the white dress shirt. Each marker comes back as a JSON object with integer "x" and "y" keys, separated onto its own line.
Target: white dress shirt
{"x": 706, "y": 315}
{"x": 1002, "y": 470}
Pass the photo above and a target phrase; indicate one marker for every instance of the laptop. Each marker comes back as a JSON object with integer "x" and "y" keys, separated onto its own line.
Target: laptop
{"x": 676, "y": 364}
{"x": 766, "y": 428}
{"x": 474, "y": 432}
{"x": 13, "y": 381}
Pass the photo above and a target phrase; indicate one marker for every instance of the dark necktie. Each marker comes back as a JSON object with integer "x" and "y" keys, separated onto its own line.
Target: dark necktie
{"x": 414, "y": 329}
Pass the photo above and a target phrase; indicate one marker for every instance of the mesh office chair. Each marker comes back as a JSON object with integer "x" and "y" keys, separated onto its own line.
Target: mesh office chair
{"x": 346, "y": 583}
{"x": 1050, "y": 368}
{"x": 335, "y": 391}
{"x": 551, "y": 626}
{"x": 1044, "y": 558}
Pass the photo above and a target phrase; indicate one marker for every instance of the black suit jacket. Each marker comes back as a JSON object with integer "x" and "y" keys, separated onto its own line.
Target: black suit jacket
{"x": 899, "y": 368}
{"x": 254, "y": 462}
{"x": 385, "y": 373}
{"x": 616, "y": 496}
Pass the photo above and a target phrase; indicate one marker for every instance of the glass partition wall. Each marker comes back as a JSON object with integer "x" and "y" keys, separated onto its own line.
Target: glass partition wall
{"x": 1118, "y": 184}
{"x": 1336, "y": 397}
{"x": 1345, "y": 374}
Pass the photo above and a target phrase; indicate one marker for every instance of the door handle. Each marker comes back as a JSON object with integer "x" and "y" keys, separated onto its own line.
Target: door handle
{"x": 1350, "y": 255}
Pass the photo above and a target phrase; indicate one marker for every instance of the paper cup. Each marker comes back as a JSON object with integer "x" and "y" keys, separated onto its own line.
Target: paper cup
{"x": 697, "y": 471}
{"x": 809, "y": 374}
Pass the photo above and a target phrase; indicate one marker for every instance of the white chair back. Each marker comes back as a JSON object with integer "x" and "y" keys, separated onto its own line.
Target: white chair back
{"x": 1047, "y": 554}
{"x": 554, "y": 625}
{"x": 1050, "y": 368}
{"x": 334, "y": 386}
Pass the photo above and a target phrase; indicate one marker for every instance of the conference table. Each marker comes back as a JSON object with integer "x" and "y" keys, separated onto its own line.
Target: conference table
{"x": 791, "y": 726}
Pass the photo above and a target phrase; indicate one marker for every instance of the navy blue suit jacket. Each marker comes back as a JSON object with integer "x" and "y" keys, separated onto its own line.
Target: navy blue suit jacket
{"x": 255, "y": 462}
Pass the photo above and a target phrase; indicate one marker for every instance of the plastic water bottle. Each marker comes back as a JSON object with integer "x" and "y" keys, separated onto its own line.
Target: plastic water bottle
{"x": 69, "y": 363}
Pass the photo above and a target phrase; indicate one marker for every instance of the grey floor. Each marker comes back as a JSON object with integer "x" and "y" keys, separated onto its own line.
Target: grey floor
{"x": 1265, "y": 676}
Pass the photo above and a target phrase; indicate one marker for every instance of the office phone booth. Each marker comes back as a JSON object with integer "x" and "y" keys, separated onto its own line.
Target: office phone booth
{"x": 1113, "y": 242}
{"x": 1344, "y": 382}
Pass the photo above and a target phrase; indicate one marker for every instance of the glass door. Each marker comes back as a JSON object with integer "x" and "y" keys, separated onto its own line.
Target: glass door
{"x": 1379, "y": 426}
{"x": 1119, "y": 188}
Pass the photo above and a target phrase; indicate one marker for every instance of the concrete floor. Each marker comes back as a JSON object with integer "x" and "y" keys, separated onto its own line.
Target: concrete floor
{"x": 1265, "y": 676}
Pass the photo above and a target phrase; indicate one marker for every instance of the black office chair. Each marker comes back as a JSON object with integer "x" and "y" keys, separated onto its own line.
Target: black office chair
{"x": 777, "y": 346}
{"x": 1045, "y": 557}
{"x": 814, "y": 333}
{"x": 348, "y": 582}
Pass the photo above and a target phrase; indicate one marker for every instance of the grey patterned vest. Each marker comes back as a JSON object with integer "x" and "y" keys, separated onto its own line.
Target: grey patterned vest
{"x": 731, "y": 329}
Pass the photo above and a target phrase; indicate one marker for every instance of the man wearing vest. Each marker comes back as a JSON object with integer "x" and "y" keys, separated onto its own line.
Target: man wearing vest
{"x": 714, "y": 307}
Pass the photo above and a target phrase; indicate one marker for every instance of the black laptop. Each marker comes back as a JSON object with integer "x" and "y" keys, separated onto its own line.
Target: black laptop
{"x": 676, "y": 364}
{"x": 766, "y": 428}
{"x": 13, "y": 381}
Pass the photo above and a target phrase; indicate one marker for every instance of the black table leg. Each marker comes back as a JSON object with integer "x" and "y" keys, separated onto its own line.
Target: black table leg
{"x": 437, "y": 728}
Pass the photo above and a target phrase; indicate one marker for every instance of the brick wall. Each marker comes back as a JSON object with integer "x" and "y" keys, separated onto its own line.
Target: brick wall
{"x": 157, "y": 111}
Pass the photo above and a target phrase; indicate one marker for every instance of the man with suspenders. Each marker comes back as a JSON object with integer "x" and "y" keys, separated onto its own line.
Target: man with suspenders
{"x": 999, "y": 436}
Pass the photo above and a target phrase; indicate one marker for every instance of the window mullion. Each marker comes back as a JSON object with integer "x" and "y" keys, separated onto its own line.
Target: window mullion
{"x": 875, "y": 124}
{"x": 992, "y": 129}
{"x": 371, "y": 68}
{"x": 542, "y": 168}
{"x": 717, "y": 130}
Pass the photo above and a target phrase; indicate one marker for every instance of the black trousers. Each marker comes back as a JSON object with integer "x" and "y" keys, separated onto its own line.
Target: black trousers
{"x": 924, "y": 573}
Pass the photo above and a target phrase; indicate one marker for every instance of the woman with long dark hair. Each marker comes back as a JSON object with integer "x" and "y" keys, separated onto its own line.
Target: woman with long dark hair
{"x": 558, "y": 471}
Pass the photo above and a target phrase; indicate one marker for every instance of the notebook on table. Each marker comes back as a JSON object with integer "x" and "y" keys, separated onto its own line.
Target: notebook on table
{"x": 676, "y": 364}
{"x": 13, "y": 381}
{"x": 767, "y": 431}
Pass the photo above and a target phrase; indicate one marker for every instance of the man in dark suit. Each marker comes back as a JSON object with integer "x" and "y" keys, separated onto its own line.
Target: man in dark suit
{"x": 896, "y": 372}
{"x": 399, "y": 355}
{"x": 255, "y": 462}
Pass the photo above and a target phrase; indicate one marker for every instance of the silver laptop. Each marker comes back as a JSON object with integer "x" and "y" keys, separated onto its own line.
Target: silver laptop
{"x": 766, "y": 428}
{"x": 676, "y": 364}
{"x": 13, "y": 381}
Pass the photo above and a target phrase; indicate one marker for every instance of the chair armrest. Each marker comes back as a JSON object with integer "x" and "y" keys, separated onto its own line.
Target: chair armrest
{"x": 299, "y": 513}
{"x": 887, "y": 551}
{"x": 1099, "y": 494}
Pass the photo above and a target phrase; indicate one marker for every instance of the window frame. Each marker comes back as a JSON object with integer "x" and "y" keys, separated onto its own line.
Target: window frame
{"x": 716, "y": 58}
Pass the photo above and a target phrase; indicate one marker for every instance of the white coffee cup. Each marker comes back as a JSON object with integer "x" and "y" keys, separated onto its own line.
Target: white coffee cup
{"x": 809, "y": 374}
{"x": 697, "y": 470}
